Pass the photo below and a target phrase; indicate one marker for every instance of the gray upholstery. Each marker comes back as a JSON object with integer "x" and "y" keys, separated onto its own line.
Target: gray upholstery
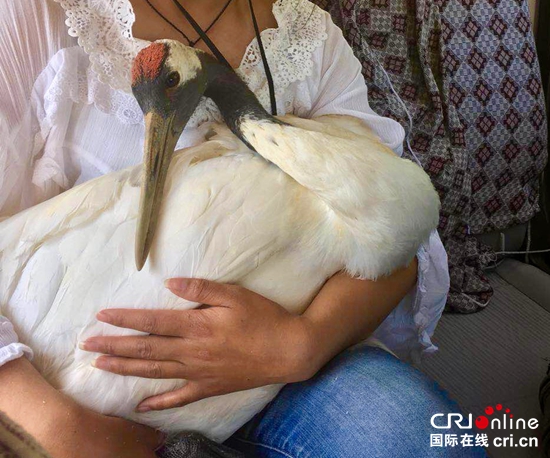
{"x": 529, "y": 280}
{"x": 499, "y": 355}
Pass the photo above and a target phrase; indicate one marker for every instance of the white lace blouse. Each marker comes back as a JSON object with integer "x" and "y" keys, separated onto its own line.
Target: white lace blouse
{"x": 67, "y": 115}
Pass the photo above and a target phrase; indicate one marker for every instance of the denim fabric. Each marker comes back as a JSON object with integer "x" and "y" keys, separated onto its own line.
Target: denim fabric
{"x": 366, "y": 403}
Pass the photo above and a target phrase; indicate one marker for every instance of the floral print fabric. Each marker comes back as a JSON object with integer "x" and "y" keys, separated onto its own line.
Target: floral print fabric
{"x": 467, "y": 73}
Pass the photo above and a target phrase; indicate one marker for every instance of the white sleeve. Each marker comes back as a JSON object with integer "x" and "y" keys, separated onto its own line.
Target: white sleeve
{"x": 31, "y": 32}
{"x": 342, "y": 89}
{"x": 10, "y": 348}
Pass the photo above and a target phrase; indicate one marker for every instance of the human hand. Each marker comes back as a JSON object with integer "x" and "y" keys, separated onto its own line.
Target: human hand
{"x": 239, "y": 341}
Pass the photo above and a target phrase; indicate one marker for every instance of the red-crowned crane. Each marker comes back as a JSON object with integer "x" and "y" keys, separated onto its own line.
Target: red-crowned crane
{"x": 277, "y": 205}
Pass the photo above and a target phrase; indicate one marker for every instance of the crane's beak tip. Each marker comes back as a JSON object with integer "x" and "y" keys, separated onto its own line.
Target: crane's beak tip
{"x": 141, "y": 258}
{"x": 139, "y": 265}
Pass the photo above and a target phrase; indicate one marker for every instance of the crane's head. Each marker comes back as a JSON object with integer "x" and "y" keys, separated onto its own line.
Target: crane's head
{"x": 168, "y": 81}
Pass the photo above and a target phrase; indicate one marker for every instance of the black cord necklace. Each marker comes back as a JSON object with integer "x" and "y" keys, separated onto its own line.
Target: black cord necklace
{"x": 208, "y": 42}
{"x": 202, "y": 34}
{"x": 268, "y": 75}
{"x": 223, "y": 60}
{"x": 189, "y": 41}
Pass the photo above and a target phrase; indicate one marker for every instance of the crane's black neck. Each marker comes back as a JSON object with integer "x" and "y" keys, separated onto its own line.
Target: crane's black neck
{"x": 234, "y": 98}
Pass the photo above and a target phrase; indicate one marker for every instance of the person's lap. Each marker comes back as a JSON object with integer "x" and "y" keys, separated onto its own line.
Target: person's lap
{"x": 365, "y": 403}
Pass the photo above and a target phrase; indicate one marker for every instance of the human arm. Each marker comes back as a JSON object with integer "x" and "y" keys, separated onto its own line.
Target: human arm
{"x": 64, "y": 428}
{"x": 349, "y": 310}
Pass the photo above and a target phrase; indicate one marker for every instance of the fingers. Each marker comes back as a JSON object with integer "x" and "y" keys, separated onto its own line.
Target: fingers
{"x": 140, "y": 367}
{"x": 171, "y": 322}
{"x": 139, "y": 347}
{"x": 205, "y": 291}
{"x": 191, "y": 392}
{"x": 161, "y": 322}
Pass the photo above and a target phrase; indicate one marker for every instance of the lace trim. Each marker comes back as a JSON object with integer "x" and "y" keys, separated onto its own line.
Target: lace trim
{"x": 104, "y": 31}
{"x": 75, "y": 80}
{"x": 290, "y": 47}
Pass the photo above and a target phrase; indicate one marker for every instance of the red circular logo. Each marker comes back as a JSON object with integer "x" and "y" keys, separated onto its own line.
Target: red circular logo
{"x": 482, "y": 422}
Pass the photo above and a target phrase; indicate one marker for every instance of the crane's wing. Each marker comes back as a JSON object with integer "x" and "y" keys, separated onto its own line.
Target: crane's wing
{"x": 65, "y": 259}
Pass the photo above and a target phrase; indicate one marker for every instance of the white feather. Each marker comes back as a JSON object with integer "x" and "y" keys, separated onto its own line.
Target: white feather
{"x": 326, "y": 199}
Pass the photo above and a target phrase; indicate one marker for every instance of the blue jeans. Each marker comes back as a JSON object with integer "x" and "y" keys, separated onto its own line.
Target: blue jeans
{"x": 365, "y": 404}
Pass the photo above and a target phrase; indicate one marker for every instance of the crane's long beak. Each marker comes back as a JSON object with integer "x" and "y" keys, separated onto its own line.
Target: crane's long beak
{"x": 160, "y": 142}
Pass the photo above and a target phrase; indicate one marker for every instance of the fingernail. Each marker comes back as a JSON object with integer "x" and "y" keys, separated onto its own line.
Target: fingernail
{"x": 179, "y": 284}
{"x": 143, "y": 408}
{"x": 88, "y": 345}
{"x": 94, "y": 364}
{"x": 103, "y": 315}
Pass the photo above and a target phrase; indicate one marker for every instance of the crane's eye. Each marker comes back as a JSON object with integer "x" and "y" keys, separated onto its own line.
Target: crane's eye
{"x": 173, "y": 80}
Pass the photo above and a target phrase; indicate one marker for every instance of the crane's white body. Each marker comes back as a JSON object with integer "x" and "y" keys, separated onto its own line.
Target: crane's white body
{"x": 335, "y": 200}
